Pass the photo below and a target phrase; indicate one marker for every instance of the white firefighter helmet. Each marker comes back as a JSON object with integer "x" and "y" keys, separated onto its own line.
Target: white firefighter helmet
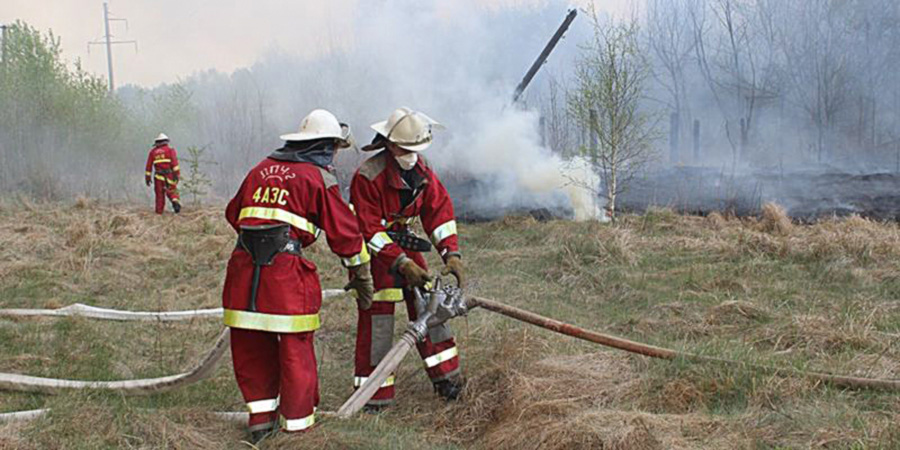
{"x": 318, "y": 124}
{"x": 161, "y": 138}
{"x": 408, "y": 129}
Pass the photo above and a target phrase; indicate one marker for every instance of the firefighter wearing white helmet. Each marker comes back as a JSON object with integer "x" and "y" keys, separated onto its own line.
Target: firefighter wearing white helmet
{"x": 390, "y": 192}
{"x": 272, "y": 293}
{"x": 163, "y": 172}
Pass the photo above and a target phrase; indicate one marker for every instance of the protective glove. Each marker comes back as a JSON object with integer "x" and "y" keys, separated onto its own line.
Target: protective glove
{"x": 361, "y": 281}
{"x": 415, "y": 276}
{"x": 147, "y": 180}
{"x": 454, "y": 265}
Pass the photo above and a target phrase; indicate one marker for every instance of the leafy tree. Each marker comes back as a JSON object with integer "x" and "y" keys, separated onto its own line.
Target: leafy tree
{"x": 609, "y": 84}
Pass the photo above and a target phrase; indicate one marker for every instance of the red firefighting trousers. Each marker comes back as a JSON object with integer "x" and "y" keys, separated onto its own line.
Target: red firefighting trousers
{"x": 162, "y": 189}
{"x": 277, "y": 375}
{"x": 374, "y": 337}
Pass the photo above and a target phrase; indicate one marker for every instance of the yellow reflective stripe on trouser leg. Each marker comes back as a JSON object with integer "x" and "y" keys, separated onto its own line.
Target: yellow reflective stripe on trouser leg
{"x": 358, "y": 381}
{"x": 160, "y": 177}
{"x": 280, "y": 215}
{"x": 360, "y": 258}
{"x": 298, "y": 424}
{"x": 263, "y": 406}
{"x": 443, "y": 232}
{"x": 446, "y": 355}
{"x": 379, "y": 241}
{"x": 276, "y": 323}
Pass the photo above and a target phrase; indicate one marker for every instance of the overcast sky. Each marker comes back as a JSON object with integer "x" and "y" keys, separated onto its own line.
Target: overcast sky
{"x": 179, "y": 37}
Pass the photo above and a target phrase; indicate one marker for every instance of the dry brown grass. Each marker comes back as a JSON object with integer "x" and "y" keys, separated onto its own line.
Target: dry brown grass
{"x": 775, "y": 220}
{"x": 823, "y": 296}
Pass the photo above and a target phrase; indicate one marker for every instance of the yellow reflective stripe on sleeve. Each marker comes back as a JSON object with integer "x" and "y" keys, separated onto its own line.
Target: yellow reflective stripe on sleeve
{"x": 358, "y": 381}
{"x": 298, "y": 424}
{"x": 357, "y": 259}
{"x": 175, "y": 168}
{"x": 262, "y": 406}
{"x": 388, "y": 295}
{"x": 379, "y": 241}
{"x": 160, "y": 161}
{"x": 446, "y": 355}
{"x": 148, "y": 173}
{"x": 443, "y": 232}
{"x": 280, "y": 215}
{"x": 276, "y": 323}
{"x": 160, "y": 177}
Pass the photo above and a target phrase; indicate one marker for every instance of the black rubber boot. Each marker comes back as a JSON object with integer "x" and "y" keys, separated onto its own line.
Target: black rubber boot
{"x": 374, "y": 409}
{"x": 449, "y": 389}
{"x": 257, "y": 436}
{"x": 177, "y": 207}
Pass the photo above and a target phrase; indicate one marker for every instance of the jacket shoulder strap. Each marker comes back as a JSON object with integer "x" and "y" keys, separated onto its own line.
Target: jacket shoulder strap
{"x": 373, "y": 166}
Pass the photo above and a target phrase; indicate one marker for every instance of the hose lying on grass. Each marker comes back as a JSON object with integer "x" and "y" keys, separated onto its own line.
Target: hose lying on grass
{"x": 669, "y": 354}
{"x": 93, "y": 312}
{"x": 203, "y": 369}
{"x": 31, "y": 414}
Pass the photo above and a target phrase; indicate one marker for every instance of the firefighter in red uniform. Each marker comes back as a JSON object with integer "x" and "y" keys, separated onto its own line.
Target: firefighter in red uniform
{"x": 272, "y": 293}
{"x": 390, "y": 192}
{"x": 164, "y": 161}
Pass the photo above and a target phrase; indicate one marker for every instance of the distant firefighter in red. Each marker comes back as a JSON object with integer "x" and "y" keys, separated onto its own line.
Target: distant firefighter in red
{"x": 162, "y": 169}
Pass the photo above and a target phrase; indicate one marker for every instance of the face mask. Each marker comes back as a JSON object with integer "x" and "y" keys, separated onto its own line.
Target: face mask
{"x": 407, "y": 161}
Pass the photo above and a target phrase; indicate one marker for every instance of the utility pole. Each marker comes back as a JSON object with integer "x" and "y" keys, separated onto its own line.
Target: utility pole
{"x": 108, "y": 42}
{"x": 3, "y": 55}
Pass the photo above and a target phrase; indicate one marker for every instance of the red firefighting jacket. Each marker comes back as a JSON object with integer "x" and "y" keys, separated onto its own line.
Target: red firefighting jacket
{"x": 306, "y": 197}
{"x": 164, "y": 161}
{"x": 375, "y": 193}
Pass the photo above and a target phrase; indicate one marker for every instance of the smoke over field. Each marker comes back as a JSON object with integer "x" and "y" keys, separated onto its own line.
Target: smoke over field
{"x": 747, "y": 90}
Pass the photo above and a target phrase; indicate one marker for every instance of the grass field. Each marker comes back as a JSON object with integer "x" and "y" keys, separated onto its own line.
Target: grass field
{"x": 823, "y": 297}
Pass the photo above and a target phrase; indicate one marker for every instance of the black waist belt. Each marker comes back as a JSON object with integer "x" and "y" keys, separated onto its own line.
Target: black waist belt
{"x": 263, "y": 242}
{"x": 407, "y": 240}
{"x": 292, "y": 246}
{"x": 163, "y": 171}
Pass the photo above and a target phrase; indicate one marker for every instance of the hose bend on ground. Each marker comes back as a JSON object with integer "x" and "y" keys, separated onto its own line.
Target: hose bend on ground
{"x": 669, "y": 354}
{"x": 203, "y": 369}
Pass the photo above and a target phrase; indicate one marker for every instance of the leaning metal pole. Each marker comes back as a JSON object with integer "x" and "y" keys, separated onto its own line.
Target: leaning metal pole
{"x": 544, "y": 54}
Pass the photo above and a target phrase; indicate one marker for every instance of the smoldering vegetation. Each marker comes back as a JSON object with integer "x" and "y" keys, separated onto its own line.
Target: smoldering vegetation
{"x": 742, "y": 91}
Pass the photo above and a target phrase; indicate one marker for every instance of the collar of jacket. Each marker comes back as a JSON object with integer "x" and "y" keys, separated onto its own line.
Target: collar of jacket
{"x": 393, "y": 173}
{"x": 321, "y": 155}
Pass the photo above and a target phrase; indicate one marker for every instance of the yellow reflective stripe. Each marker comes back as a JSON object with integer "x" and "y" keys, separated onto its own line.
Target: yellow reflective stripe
{"x": 160, "y": 177}
{"x": 276, "y": 323}
{"x": 263, "y": 406}
{"x": 379, "y": 241}
{"x": 175, "y": 168}
{"x": 148, "y": 173}
{"x": 443, "y": 232}
{"x": 171, "y": 181}
{"x": 445, "y": 355}
{"x": 357, "y": 259}
{"x": 388, "y": 295}
{"x": 358, "y": 381}
{"x": 280, "y": 215}
{"x": 298, "y": 424}
{"x": 159, "y": 161}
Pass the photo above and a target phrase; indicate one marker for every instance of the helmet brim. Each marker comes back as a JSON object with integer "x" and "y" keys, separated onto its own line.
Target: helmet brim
{"x": 309, "y": 136}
